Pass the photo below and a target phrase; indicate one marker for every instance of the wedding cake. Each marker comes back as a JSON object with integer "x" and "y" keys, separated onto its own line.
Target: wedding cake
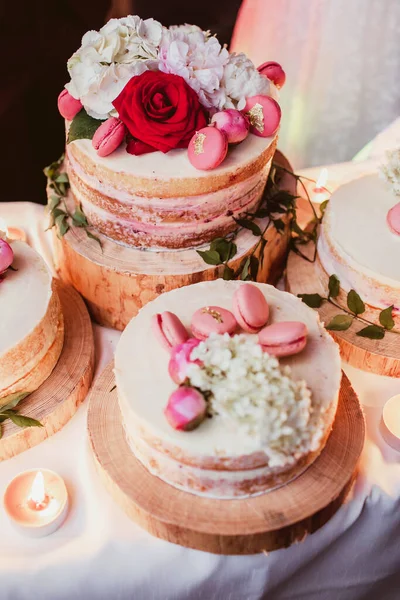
{"x": 359, "y": 240}
{"x": 170, "y": 140}
{"x": 224, "y": 388}
{"x": 31, "y": 326}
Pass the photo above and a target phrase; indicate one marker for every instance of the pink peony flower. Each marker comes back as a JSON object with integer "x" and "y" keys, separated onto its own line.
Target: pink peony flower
{"x": 180, "y": 359}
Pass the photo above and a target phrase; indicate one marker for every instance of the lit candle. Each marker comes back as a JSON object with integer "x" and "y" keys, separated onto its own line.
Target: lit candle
{"x": 319, "y": 193}
{"x": 36, "y": 502}
{"x": 390, "y": 422}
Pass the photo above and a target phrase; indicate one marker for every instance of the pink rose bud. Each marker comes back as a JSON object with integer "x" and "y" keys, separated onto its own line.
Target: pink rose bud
{"x": 233, "y": 124}
{"x": 6, "y": 255}
{"x": 108, "y": 136}
{"x": 393, "y": 219}
{"x": 68, "y": 106}
{"x": 180, "y": 360}
{"x": 186, "y": 409}
{"x": 274, "y": 72}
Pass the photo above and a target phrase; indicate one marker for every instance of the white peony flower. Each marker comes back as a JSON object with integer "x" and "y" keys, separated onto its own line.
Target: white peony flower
{"x": 108, "y": 58}
{"x": 240, "y": 81}
{"x": 189, "y": 52}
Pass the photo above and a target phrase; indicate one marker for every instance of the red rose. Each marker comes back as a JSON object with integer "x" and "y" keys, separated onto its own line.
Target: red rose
{"x": 161, "y": 110}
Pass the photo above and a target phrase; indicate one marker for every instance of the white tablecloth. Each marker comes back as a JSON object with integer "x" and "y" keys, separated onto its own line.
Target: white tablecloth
{"x": 99, "y": 554}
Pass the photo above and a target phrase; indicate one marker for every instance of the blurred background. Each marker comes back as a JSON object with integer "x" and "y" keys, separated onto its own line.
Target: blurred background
{"x": 341, "y": 57}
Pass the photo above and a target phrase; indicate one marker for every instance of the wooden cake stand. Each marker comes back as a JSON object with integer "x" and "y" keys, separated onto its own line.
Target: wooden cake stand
{"x": 59, "y": 397}
{"x": 117, "y": 280}
{"x": 244, "y": 526}
{"x": 376, "y": 356}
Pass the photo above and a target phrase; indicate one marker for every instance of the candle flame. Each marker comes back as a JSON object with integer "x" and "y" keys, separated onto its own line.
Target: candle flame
{"x": 322, "y": 179}
{"x": 38, "y": 492}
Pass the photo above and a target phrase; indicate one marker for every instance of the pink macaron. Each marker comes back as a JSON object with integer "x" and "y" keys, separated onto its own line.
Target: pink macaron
{"x": 274, "y": 72}
{"x": 169, "y": 330}
{"x": 207, "y": 148}
{"x": 393, "y": 219}
{"x": 284, "y": 338}
{"x": 108, "y": 136}
{"x": 264, "y": 114}
{"x": 68, "y": 106}
{"x": 250, "y": 308}
{"x": 212, "y": 319}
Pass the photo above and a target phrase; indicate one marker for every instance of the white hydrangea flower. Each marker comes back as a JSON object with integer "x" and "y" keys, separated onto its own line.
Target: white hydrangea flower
{"x": 390, "y": 170}
{"x": 108, "y": 58}
{"x": 240, "y": 81}
{"x": 250, "y": 392}
{"x": 191, "y": 53}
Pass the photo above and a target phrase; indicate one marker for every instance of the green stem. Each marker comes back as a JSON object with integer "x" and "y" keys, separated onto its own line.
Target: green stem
{"x": 362, "y": 319}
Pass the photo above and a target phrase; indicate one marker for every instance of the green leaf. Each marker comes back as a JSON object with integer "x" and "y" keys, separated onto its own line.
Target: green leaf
{"x": 94, "y": 237}
{"x": 228, "y": 273}
{"x": 244, "y": 274}
{"x": 279, "y": 225}
{"x": 312, "y": 300}
{"x": 53, "y": 202}
{"x": 247, "y": 224}
{"x": 323, "y": 206}
{"x": 334, "y": 286}
{"x": 51, "y": 170}
{"x": 340, "y": 323}
{"x": 263, "y": 243}
{"x": 12, "y": 400}
{"x": 354, "y": 302}
{"x": 285, "y": 198}
{"x": 253, "y": 268}
{"x": 225, "y": 248}
{"x": 1, "y": 432}
{"x": 261, "y": 213}
{"x": 386, "y": 318}
{"x": 62, "y": 224}
{"x": 22, "y": 421}
{"x": 79, "y": 218}
{"x": 211, "y": 257}
{"x": 83, "y": 127}
{"x": 373, "y": 332}
{"x": 62, "y": 178}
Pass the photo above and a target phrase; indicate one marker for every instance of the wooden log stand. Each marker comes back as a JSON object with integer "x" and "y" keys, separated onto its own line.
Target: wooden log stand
{"x": 116, "y": 280}
{"x": 59, "y": 397}
{"x": 376, "y": 356}
{"x": 245, "y": 526}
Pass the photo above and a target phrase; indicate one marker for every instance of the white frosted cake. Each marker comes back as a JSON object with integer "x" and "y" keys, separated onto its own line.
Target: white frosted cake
{"x": 31, "y": 324}
{"x": 249, "y": 446}
{"x": 357, "y": 244}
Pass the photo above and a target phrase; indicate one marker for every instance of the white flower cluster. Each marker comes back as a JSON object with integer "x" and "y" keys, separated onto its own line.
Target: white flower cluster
{"x": 126, "y": 47}
{"x": 250, "y": 392}
{"x": 390, "y": 170}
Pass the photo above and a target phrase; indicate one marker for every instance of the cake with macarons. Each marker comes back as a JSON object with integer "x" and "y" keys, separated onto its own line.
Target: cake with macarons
{"x": 223, "y": 387}
{"x": 31, "y": 326}
{"x": 359, "y": 240}
{"x": 169, "y": 136}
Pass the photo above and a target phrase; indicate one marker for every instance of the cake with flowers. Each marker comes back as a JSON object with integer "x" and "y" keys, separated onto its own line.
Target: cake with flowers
{"x": 170, "y": 137}
{"x": 31, "y": 327}
{"x": 241, "y": 400}
{"x": 359, "y": 242}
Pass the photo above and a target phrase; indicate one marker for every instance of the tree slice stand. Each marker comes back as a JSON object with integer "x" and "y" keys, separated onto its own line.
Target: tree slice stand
{"x": 244, "y": 526}
{"x": 117, "y": 280}
{"x": 59, "y": 397}
{"x": 376, "y": 356}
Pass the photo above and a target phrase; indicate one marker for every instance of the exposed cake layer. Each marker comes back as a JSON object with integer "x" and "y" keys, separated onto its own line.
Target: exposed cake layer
{"x": 143, "y": 392}
{"x": 356, "y": 244}
{"x": 31, "y": 328}
{"x": 158, "y": 200}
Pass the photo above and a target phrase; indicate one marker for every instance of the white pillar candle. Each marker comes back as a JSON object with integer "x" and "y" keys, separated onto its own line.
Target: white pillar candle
{"x": 36, "y": 501}
{"x": 390, "y": 422}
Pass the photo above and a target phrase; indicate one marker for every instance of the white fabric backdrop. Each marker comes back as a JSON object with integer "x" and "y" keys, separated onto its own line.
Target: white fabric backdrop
{"x": 99, "y": 554}
{"x": 342, "y": 59}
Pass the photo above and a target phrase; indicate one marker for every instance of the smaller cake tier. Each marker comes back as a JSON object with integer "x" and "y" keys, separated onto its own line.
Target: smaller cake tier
{"x": 214, "y": 459}
{"x": 160, "y": 200}
{"x": 356, "y": 244}
{"x": 31, "y": 327}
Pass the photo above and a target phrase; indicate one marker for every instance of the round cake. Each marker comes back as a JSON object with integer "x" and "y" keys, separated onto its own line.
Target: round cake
{"x": 357, "y": 244}
{"x": 229, "y": 455}
{"x": 31, "y": 326}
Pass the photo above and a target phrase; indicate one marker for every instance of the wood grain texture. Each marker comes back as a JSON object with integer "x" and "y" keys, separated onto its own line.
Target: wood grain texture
{"x": 58, "y": 398}
{"x": 116, "y": 280}
{"x": 376, "y": 356}
{"x": 244, "y": 526}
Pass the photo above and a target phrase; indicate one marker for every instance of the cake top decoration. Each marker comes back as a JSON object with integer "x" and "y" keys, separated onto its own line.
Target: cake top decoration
{"x": 163, "y": 84}
{"x": 390, "y": 170}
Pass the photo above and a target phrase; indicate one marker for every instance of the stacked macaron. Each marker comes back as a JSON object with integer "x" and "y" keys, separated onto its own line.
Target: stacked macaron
{"x": 186, "y": 408}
